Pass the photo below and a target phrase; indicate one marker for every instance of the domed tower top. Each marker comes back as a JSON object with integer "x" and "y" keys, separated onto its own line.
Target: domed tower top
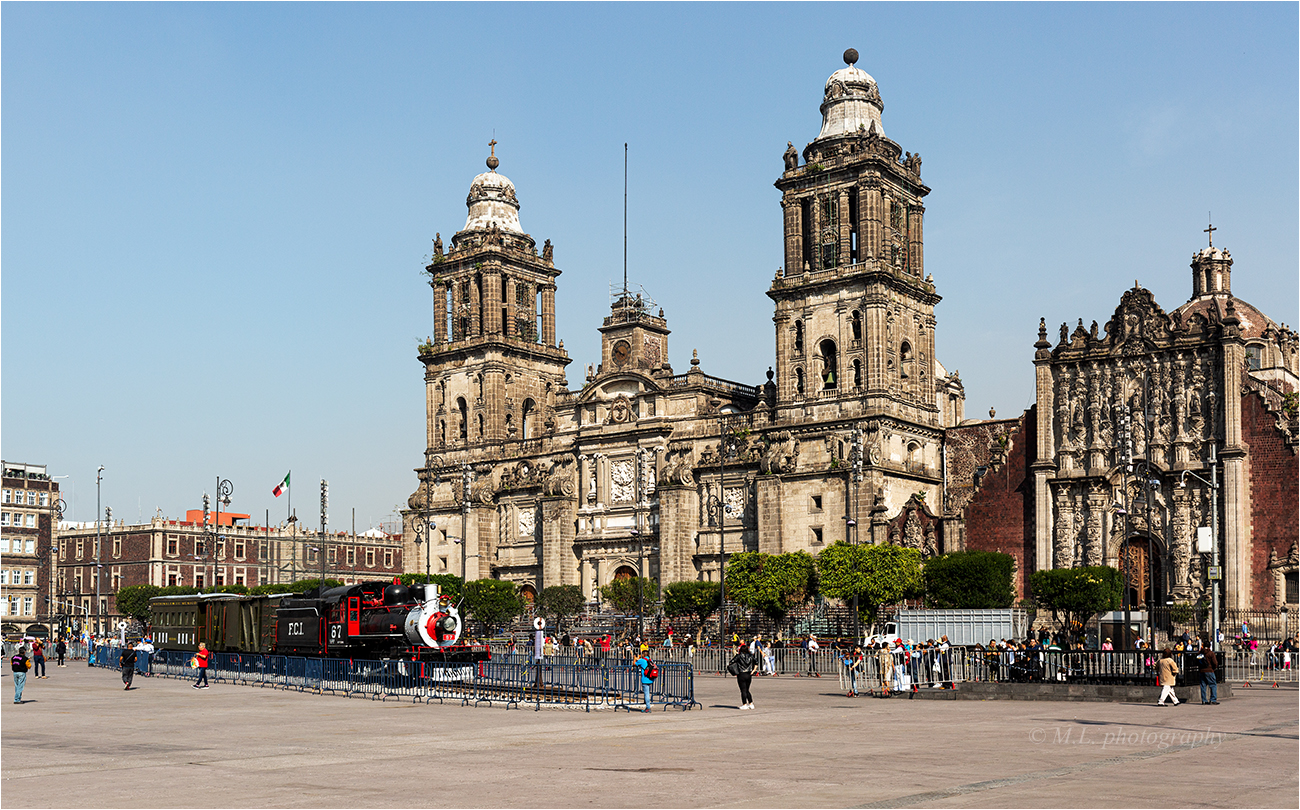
{"x": 492, "y": 202}
{"x": 851, "y": 101}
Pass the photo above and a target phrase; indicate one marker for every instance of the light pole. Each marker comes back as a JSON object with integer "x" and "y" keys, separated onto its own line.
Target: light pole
{"x": 423, "y": 528}
{"x": 850, "y": 523}
{"x": 1215, "y": 572}
{"x": 721, "y": 510}
{"x": 224, "y": 491}
{"x": 59, "y": 506}
{"x": 324, "y": 516}
{"x": 99, "y": 477}
{"x": 466, "y": 477}
{"x": 1148, "y": 481}
{"x": 1125, "y": 439}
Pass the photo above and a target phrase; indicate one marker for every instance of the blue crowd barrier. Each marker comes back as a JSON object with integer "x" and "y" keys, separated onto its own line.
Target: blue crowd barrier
{"x": 510, "y": 680}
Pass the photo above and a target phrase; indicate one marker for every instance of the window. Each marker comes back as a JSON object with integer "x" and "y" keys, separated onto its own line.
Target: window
{"x": 31, "y": 521}
{"x": 4, "y": 577}
{"x": 817, "y": 535}
{"x": 370, "y": 558}
{"x": 4, "y": 518}
{"x": 857, "y": 373}
{"x": 798, "y": 381}
{"x": 905, "y": 360}
{"x": 442, "y": 565}
{"x": 816, "y": 504}
{"x": 27, "y": 606}
{"x": 827, "y": 348}
{"x": 221, "y": 578}
{"x": 352, "y": 556}
{"x": 798, "y": 337}
{"x": 45, "y": 499}
{"x": 4, "y": 545}
{"x": 76, "y": 581}
{"x": 1292, "y": 587}
{"x": 1253, "y": 357}
{"x": 8, "y": 493}
{"x": 198, "y": 580}
{"x": 81, "y": 548}
{"x": 200, "y": 548}
{"x": 239, "y": 578}
{"x": 117, "y": 547}
{"x": 388, "y": 559}
{"x": 30, "y": 547}
{"x": 239, "y": 549}
{"x": 855, "y": 323}
{"x": 172, "y": 580}
{"x": 334, "y": 555}
{"x": 171, "y": 545}
{"x": 525, "y": 415}
{"x": 28, "y": 577}
{"x": 31, "y": 499}
{"x": 463, "y": 407}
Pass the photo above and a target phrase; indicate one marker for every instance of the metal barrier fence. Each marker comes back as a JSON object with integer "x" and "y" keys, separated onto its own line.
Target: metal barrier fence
{"x": 512, "y": 681}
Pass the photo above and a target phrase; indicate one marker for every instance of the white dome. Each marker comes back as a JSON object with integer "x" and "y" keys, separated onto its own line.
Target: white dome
{"x": 851, "y": 102}
{"x": 492, "y": 202}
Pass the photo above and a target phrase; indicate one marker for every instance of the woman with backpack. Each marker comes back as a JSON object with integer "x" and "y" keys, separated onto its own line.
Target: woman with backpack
{"x": 743, "y": 665}
{"x": 648, "y": 672}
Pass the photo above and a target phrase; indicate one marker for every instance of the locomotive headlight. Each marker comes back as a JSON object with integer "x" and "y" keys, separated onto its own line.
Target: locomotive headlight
{"x": 447, "y": 624}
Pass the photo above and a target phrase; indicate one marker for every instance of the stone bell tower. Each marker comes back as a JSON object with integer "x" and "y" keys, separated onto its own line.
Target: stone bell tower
{"x": 493, "y": 368}
{"x": 854, "y": 309}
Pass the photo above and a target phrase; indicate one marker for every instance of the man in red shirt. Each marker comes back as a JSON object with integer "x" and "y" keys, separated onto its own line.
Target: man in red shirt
{"x": 201, "y": 659}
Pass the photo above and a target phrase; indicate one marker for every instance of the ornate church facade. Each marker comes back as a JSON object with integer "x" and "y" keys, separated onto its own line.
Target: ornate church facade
{"x": 858, "y": 433}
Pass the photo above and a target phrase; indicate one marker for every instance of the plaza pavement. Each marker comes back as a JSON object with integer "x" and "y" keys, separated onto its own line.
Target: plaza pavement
{"x": 80, "y": 740}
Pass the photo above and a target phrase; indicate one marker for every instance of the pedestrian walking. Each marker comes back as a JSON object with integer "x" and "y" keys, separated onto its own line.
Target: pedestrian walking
{"x": 200, "y": 661}
{"x": 1168, "y": 669}
{"x": 20, "y": 663}
{"x": 61, "y": 649}
{"x": 885, "y": 663}
{"x": 1208, "y": 665}
{"x": 811, "y": 647}
{"x": 38, "y": 659}
{"x": 126, "y": 660}
{"x": 648, "y": 671}
{"x": 743, "y": 665}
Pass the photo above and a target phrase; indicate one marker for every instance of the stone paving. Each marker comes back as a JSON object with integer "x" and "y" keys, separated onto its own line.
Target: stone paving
{"x": 80, "y": 740}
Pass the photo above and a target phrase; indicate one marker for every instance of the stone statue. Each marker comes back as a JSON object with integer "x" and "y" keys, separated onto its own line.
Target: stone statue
{"x": 437, "y": 244}
{"x": 548, "y": 253}
{"x": 791, "y": 156}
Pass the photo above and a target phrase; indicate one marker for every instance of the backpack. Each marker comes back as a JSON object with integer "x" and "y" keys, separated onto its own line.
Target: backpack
{"x": 652, "y": 672}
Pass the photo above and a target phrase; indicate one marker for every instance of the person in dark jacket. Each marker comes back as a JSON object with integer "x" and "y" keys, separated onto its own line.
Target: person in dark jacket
{"x": 127, "y": 662}
{"x": 1209, "y": 664}
{"x": 62, "y": 649}
{"x": 743, "y": 665}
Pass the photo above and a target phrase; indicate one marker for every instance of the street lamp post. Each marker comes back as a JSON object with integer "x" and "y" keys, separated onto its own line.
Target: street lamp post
{"x": 224, "y": 491}
{"x": 1148, "y": 481}
{"x": 850, "y": 523}
{"x": 1215, "y": 571}
{"x": 1125, "y": 438}
{"x": 99, "y": 477}
{"x": 466, "y": 477}
{"x": 59, "y": 506}
{"x": 324, "y": 516}
{"x": 423, "y": 528}
{"x": 721, "y": 510}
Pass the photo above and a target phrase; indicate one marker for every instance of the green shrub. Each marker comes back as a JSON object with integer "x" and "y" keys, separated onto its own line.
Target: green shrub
{"x": 970, "y": 580}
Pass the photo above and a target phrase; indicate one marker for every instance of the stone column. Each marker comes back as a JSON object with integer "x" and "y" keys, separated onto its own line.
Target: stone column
{"x": 492, "y": 301}
{"x": 548, "y": 315}
{"x": 916, "y": 243}
{"x": 584, "y": 579}
{"x": 790, "y": 214}
{"x": 870, "y": 212}
{"x": 440, "y": 312}
{"x": 769, "y": 514}
{"x": 1236, "y": 485}
{"x": 846, "y": 227}
{"x": 679, "y": 506}
{"x": 559, "y": 558}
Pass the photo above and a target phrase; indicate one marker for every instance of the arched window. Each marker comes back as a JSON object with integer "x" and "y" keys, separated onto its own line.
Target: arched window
{"x": 828, "y": 353}
{"x": 480, "y": 427}
{"x": 855, "y": 322}
{"x": 914, "y": 454}
{"x": 442, "y": 432}
{"x": 1253, "y": 355}
{"x": 525, "y": 420}
{"x": 857, "y": 373}
{"x": 798, "y": 337}
{"x": 464, "y": 419}
{"x": 510, "y": 425}
{"x": 798, "y": 381}
{"x": 905, "y": 360}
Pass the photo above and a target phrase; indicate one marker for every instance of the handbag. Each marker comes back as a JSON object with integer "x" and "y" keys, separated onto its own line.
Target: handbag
{"x": 733, "y": 668}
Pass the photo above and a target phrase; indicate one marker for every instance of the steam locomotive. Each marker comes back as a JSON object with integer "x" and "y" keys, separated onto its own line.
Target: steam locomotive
{"x": 369, "y": 620}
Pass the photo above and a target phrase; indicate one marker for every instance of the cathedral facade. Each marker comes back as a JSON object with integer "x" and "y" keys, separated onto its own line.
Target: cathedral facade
{"x": 859, "y": 432}
{"x": 642, "y": 470}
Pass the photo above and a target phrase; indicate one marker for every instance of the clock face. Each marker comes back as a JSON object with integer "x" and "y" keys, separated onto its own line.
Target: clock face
{"x": 620, "y": 352}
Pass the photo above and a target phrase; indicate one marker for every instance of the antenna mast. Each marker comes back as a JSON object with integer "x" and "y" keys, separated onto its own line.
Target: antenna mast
{"x": 625, "y": 219}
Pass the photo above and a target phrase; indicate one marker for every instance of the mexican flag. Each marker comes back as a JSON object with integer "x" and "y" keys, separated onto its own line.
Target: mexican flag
{"x": 282, "y": 486}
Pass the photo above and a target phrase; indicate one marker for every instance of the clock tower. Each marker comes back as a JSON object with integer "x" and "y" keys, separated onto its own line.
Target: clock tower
{"x": 632, "y": 337}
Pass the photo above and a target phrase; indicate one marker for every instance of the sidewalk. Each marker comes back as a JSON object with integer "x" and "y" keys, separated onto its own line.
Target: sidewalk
{"x": 164, "y": 744}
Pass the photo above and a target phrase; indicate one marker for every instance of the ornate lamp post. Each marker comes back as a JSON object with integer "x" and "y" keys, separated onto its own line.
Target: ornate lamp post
{"x": 1215, "y": 571}
{"x": 1125, "y": 445}
{"x": 99, "y": 477}
{"x": 224, "y": 490}
{"x": 423, "y": 528}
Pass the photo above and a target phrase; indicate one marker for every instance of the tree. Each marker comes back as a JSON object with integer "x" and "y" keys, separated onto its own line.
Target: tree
{"x": 970, "y": 580}
{"x": 623, "y": 593}
{"x": 694, "y": 599}
{"x": 493, "y": 601}
{"x": 878, "y": 575}
{"x": 448, "y": 584}
{"x": 133, "y": 600}
{"x": 559, "y": 602}
{"x": 1077, "y": 593}
{"x": 772, "y": 583}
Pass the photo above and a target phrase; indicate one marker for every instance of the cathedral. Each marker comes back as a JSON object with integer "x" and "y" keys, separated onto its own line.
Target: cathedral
{"x": 859, "y": 433}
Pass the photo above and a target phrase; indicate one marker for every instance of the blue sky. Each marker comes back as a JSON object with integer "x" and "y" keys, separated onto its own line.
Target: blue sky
{"x": 215, "y": 215}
